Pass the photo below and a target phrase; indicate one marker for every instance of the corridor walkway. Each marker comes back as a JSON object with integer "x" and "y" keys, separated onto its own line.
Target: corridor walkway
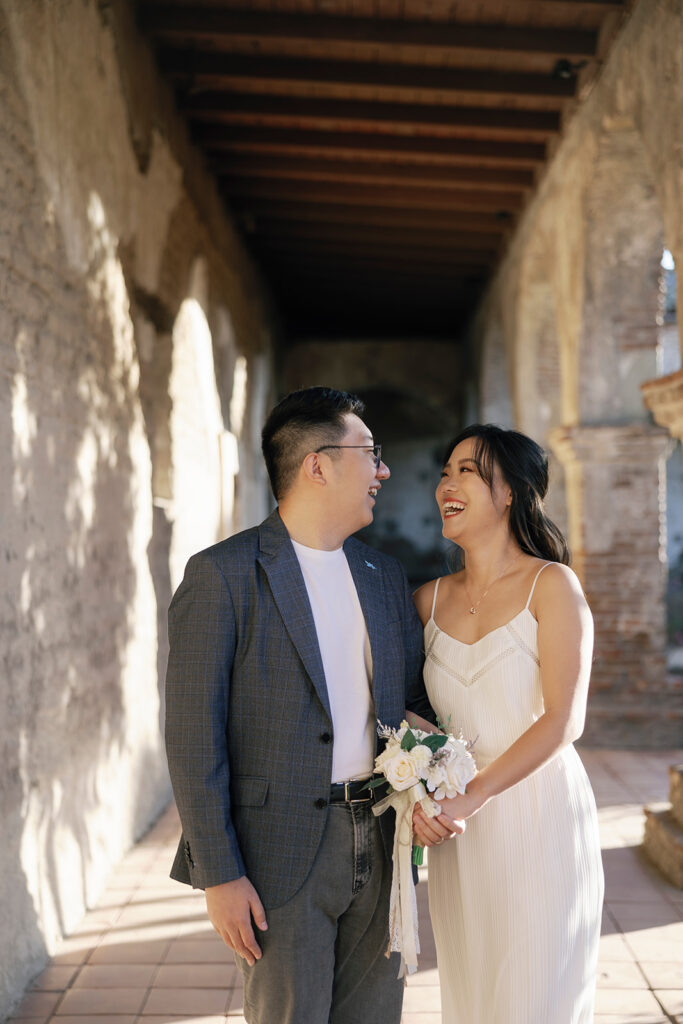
{"x": 147, "y": 955}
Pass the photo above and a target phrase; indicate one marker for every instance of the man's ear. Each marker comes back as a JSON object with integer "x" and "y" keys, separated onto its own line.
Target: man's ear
{"x": 313, "y": 469}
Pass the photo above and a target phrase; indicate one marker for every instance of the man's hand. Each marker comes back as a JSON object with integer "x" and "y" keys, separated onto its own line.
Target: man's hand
{"x": 433, "y": 831}
{"x": 230, "y": 907}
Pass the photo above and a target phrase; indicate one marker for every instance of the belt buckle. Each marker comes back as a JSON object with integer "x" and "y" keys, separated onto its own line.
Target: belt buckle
{"x": 357, "y": 800}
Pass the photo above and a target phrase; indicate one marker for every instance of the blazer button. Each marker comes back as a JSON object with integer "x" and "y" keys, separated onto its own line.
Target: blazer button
{"x": 320, "y": 803}
{"x": 325, "y": 738}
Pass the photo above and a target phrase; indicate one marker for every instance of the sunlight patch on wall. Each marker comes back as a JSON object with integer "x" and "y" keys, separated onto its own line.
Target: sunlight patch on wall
{"x": 24, "y": 431}
{"x": 238, "y": 402}
{"x": 196, "y": 430}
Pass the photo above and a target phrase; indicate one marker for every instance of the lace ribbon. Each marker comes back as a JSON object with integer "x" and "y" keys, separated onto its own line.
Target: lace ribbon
{"x": 403, "y": 924}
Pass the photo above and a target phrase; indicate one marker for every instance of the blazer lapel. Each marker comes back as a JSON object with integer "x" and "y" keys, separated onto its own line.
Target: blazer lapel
{"x": 282, "y": 568}
{"x": 367, "y": 577}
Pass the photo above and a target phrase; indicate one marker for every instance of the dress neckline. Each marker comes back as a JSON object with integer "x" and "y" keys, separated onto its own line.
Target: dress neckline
{"x": 490, "y": 632}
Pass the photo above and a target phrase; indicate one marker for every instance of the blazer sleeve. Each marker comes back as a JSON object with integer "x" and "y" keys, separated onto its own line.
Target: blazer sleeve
{"x": 413, "y": 634}
{"x": 202, "y": 633}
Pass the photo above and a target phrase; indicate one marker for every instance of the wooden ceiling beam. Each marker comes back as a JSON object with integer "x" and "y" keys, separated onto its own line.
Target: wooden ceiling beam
{"x": 227, "y": 106}
{"x": 576, "y": 5}
{"x": 221, "y": 27}
{"x": 200, "y": 69}
{"x": 254, "y": 213}
{"x": 321, "y": 169}
{"x": 369, "y": 195}
{"x": 238, "y": 138}
{"x": 445, "y": 240}
{"x": 415, "y": 254}
{"x": 318, "y": 252}
{"x": 449, "y": 283}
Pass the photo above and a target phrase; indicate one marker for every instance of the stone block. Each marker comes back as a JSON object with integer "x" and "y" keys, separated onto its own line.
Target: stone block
{"x": 676, "y": 792}
{"x": 663, "y": 842}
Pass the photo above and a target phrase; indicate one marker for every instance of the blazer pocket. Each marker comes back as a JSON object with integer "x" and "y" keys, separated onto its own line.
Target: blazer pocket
{"x": 249, "y": 791}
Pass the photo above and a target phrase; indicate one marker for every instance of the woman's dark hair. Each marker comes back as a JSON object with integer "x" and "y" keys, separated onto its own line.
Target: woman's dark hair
{"x": 302, "y": 422}
{"x": 524, "y": 467}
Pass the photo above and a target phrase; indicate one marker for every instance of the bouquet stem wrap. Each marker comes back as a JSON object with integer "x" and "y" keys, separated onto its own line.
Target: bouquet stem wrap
{"x": 403, "y": 924}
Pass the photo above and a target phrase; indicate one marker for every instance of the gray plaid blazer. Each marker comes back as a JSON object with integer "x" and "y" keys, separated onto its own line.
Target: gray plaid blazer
{"x": 248, "y": 720}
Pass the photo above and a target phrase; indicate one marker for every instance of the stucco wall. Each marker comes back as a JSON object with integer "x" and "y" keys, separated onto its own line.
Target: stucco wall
{"x": 135, "y": 363}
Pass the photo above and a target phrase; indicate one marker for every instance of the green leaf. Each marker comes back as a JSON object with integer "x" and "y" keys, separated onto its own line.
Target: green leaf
{"x": 374, "y": 783}
{"x": 435, "y": 741}
{"x": 408, "y": 741}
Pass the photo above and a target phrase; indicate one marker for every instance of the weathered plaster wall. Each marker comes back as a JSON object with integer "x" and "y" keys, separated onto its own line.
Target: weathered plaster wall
{"x": 135, "y": 360}
{"x": 574, "y": 309}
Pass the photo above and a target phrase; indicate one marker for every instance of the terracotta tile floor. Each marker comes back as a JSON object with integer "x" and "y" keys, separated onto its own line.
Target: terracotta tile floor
{"x": 147, "y": 955}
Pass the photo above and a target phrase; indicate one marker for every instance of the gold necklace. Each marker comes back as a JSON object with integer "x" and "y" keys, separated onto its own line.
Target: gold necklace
{"x": 473, "y": 607}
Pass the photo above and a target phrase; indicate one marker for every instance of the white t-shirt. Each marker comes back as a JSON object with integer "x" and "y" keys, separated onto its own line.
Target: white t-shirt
{"x": 346, "y": 657}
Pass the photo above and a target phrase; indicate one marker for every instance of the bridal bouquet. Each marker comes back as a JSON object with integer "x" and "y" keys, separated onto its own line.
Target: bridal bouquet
{"x": 415, "y": 763}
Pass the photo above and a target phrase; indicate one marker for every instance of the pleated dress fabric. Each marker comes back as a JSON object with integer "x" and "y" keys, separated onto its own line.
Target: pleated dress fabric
{"x": 516, "y": 901}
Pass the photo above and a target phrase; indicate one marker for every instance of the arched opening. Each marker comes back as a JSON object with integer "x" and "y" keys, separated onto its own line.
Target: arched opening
{"x": 413, "y": 422}
{"x": 614, "y": 457}
{"x": 196, "y": 430}
{"x": 669, "y": 361}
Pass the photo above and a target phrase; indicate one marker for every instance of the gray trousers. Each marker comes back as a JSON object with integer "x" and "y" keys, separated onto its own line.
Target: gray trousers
{"x": 324, "y": 951}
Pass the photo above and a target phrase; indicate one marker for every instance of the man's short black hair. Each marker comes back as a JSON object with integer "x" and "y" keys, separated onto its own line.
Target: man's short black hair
{"x": 302, "y": 422}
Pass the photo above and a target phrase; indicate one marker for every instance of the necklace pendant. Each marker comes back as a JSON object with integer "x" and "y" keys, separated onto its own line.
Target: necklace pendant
{"x": 473, "y": 610}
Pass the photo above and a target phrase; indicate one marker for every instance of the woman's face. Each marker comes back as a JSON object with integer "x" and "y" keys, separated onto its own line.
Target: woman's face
{"x": 466, "y": 502}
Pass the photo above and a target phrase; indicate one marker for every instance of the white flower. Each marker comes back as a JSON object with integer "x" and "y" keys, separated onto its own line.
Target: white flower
{"x": 421, "y": 756}
{"x": 391, "y": 749}
{"x": 435, "y": 776}
{"x": 460, "y": 769}
{"x": 401, "y": 772}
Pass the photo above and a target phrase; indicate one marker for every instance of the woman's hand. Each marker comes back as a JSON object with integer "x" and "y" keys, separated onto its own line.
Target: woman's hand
{"x": 452, "y": 819}
{"x": 433, "y": 831}
{"x": 462, "y": 806}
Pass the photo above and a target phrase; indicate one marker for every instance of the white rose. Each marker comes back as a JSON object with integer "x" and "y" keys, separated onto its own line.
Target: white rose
{"x": 460, "y": 770}
{"x": 391, "y": 749}
{"x": 401, "y": 772}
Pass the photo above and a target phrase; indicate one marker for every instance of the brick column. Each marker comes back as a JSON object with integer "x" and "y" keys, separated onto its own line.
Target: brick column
{"x": 615, "y": 476}
{"x": 664, "y": 398}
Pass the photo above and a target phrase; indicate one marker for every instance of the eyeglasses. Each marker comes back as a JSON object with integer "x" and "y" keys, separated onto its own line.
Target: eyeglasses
{"x": 376, "y": 450}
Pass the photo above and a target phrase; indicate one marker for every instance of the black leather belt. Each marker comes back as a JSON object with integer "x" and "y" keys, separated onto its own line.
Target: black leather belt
{"x": 350, "y": 792}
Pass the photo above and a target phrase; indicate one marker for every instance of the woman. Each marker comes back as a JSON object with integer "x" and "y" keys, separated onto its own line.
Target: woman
{"x": 516, "y": 900}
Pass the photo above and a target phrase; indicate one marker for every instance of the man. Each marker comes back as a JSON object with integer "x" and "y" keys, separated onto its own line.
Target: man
{"x": 287, "y": 642}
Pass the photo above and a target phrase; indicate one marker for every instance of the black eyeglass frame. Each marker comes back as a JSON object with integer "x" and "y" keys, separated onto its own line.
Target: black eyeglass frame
{"x": 376, "y": 450}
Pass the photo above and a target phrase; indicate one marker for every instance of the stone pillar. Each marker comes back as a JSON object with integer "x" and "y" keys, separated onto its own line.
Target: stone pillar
{"x": 664, "y": 398}
{"x": 615, "y": 476}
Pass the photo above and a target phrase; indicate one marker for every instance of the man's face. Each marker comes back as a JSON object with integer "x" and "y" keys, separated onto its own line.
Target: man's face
{"x": 354, "y": 477}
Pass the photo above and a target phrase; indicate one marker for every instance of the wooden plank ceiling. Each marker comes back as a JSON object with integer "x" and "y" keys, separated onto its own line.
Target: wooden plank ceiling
{"x": 377, "y": 154}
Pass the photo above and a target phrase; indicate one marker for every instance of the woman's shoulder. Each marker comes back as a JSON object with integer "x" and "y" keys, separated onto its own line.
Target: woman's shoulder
{"x": 555, "y": 582}
{"x": 424, "y": 595}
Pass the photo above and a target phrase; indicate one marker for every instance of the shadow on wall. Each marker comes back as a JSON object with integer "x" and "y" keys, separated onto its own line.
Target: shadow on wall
{"x": 78, "y": 609}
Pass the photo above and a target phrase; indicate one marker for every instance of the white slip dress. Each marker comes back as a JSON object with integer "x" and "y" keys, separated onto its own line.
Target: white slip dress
{"x": 516, "y": 901}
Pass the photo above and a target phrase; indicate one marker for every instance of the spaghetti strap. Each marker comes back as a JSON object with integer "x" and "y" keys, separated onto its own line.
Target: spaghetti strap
{"x": 533, "y": 585}
{"x": 436, "y": 590}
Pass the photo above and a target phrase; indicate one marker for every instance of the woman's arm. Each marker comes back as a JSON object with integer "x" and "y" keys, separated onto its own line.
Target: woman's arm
{"x": 565, "y": 647}
{"x": 416, "y": 722}
{"x": 423, "y": 598}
